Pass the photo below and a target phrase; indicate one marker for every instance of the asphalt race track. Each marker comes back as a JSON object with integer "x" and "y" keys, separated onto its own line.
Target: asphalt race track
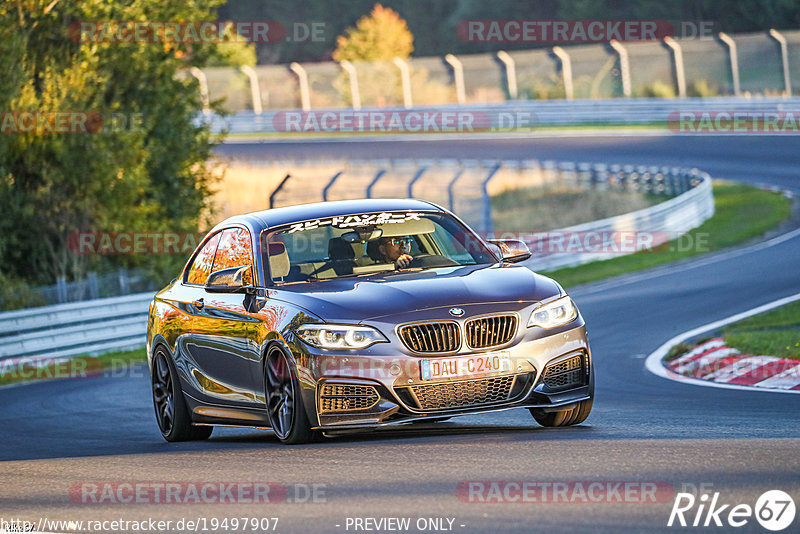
{"x": 643, "y": 428}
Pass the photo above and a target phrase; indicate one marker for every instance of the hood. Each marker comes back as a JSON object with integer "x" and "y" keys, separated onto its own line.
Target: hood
{"x": 356, "y": 299}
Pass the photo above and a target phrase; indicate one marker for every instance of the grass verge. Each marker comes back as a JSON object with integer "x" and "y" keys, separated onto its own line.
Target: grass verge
{"x": 77, "y": 367}
{"x": 742, "y": 212}
{"x": 774, "y": 333}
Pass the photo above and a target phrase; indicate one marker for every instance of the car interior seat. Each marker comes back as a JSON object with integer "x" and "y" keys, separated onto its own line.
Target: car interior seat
{"x": 344, "y": 256}
{"x": 279, "y": 264}
{"x": 373, "y": 252}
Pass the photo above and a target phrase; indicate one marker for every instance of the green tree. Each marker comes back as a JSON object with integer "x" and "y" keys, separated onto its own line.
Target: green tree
{"x": 145, "y": 171}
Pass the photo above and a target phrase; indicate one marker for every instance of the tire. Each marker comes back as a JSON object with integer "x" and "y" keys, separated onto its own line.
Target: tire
{"x": 571, "y": 416}
{"x": 285, "y": 407}
{"x": 172, "y": 415}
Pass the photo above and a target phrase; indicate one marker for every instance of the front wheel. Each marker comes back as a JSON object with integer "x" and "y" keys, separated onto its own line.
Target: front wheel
{"x": 172, "y": 414}
{"x": 285, "y": 408}
{"x": 570, "y": 416}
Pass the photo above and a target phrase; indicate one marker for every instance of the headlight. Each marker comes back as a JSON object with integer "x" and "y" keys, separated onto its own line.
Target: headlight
{"x": 556, "y": 313}
{"x": 336, "y": 336}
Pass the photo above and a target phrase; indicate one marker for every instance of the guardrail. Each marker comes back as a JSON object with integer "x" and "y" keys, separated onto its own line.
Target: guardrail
{"x": 519, "y": 115}
{"x": 64, "y": 330}
{"x": 654, "y": 225}
{"x": 103, "y": 325}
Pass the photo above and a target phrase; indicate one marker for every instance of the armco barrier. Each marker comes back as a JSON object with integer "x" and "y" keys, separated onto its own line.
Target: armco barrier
{"x": 661, "y": 222}
{"x": 521, "y": 114}
{"x": 103, "y": 325}
{"x": 63, "y": 330}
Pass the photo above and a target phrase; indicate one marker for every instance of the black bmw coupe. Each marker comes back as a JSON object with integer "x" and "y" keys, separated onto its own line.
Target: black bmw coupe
{"x": 328, "y": 317}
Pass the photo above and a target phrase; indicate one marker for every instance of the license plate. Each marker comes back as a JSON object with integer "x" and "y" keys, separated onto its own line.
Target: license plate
{"x": 475, "y": 365}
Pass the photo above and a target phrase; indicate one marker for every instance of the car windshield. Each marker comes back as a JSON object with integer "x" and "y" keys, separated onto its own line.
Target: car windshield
{"x": 368, "y": 243}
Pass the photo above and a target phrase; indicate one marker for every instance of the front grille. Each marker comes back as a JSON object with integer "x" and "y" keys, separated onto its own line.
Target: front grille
{"x": 431, "y": 337}
{"x": 464, "y": 393}
{"x": 491, "y": 331}
{"x": 347, "y": 397}
{"x": 569, "y": 373}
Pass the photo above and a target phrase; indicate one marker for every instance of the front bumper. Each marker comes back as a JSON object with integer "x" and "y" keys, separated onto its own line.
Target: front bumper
{"x": 383, "y": 388}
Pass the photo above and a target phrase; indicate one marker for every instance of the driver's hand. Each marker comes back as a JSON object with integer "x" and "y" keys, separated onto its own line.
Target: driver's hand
{"x": 403, "y": 261}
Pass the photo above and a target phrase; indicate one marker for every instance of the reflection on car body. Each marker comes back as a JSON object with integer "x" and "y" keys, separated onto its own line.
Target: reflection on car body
{"x": 293, "y": 319}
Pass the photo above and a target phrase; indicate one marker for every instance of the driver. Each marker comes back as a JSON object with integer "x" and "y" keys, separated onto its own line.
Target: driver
{"x": 395, "y": 250}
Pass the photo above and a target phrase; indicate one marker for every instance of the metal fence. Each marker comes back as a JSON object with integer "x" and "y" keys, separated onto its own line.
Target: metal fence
{"x": 94, "y": 286}
{"x": 120, "y": 282}
{"x": 466, "y": 187}
{"x": 758, "y": 63}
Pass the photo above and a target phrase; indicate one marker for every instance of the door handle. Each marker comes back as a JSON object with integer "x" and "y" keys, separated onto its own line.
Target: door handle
{"x": 198, "y": 304}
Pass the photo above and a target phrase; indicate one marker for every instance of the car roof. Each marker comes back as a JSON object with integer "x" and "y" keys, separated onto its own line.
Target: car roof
{"x": 258, "y": 220}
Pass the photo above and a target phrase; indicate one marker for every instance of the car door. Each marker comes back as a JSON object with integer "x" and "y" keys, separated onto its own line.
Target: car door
{"x": 227, "y": 366}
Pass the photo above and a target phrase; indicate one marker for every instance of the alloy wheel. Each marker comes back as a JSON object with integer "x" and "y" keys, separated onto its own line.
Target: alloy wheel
{"x": 162, "y": 394}
{"x": 280, "y": 393}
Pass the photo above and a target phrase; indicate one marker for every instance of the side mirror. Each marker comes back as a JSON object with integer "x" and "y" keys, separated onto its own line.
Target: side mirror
{"x": 512, "y": 250}
{"x": 232, "y": 280}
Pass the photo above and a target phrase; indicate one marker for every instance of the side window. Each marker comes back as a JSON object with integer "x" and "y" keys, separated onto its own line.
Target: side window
{"x": 234, "y": 250}
{"x": 201, "y": 266}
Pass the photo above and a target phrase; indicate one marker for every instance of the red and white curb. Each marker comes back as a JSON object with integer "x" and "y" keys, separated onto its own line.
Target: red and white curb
{"x": 713, "y": 364}
{"x": 715, "y": 361}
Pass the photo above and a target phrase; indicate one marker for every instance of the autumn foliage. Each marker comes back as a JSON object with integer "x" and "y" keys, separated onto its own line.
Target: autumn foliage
{"x": 381, "y": 35}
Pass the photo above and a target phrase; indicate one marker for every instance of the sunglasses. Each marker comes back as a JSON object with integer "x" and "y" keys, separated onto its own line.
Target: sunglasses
{"x": 399, "y": 241}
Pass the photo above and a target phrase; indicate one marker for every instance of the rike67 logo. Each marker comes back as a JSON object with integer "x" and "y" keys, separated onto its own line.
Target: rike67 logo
{"x": 774, "y": 510}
